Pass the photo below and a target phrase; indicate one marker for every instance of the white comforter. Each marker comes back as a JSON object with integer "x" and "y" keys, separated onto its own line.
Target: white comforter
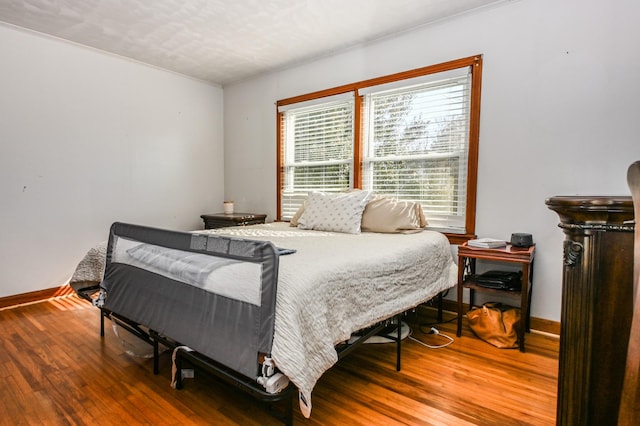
{"x": 336, "y": 284}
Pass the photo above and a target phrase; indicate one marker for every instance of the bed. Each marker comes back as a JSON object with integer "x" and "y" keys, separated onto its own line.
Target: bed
{"x": 329, "y": 286}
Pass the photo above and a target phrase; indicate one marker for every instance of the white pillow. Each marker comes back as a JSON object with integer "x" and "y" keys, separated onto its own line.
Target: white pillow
{"x": 340, "y": 212}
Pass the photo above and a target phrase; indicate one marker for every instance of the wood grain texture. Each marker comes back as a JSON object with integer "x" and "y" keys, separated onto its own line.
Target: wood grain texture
{"x": 57, "y": 370}
{"x": 597, "y": 306}
{"x": 35, "y": 296}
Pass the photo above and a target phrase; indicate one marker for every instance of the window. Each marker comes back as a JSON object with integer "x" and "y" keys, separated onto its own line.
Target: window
{"x": 318, "y": 149}
{"x": 413, "y": 135}
{"x": 415, "y": 145}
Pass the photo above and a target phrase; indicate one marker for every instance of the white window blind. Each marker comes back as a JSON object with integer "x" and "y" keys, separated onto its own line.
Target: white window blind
{"x": 317, "y": 149}
{"x": 416, "y": 145}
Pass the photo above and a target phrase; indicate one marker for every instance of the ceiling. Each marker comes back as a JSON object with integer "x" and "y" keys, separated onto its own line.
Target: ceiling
{"x": 223, "y": 41}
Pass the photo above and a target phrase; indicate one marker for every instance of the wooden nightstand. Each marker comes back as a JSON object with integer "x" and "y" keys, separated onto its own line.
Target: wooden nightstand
{"x": 467, "y": 257}
{"x": 221, "y": 220}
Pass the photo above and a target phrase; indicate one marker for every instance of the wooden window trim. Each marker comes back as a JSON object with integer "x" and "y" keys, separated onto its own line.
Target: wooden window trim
{"x": 475, "y": 62}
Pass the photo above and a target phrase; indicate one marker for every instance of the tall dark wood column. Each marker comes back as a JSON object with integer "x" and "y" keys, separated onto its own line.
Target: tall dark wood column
{"x": 597, "y": 306}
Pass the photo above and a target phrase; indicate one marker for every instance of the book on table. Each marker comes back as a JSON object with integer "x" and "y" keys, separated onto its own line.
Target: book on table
{"x": 487, "y": 243}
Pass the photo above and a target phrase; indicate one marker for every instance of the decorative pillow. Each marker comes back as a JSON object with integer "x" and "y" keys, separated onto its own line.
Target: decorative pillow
{"x": 334, "y": 212}
{"x": 389, "y": 215}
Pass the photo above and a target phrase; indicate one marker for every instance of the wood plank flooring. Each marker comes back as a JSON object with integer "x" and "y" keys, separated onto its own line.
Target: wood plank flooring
{"x": 55, "y": 369}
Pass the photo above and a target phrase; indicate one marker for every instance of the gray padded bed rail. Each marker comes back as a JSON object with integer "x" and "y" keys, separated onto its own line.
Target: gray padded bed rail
{"x": 214, "y": 294}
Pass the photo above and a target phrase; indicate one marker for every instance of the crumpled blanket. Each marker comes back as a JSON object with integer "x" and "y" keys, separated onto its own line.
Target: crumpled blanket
{"x": 90, "y": 270}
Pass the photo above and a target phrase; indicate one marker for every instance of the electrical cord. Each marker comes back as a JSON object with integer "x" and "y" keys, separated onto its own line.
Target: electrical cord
{"x": 434, "y": 331}
{"x": 431, "y": 324}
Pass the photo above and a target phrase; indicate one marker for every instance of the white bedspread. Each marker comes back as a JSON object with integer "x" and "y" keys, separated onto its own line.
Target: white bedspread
{"x": 336, "y": 284}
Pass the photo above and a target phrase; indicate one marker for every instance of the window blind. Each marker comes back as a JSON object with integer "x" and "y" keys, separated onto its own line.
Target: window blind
{"x": 318, "y": 149}
{"x": 416, "y": 145}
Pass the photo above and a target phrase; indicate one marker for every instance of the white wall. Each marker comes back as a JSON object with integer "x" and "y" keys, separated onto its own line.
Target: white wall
{"x": 559, "y": 113}
{"x": 88, "y": 138}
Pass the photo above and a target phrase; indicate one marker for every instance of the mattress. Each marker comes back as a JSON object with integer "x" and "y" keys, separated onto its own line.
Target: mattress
{"x": 335, "y": 284}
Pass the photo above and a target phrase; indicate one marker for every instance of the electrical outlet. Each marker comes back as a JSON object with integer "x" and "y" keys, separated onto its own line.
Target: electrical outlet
{"x": 187, "y": 373}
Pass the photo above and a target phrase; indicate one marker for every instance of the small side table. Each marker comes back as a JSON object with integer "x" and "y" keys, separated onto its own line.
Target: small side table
{"x": 467, "y": 257}
{"x": 221, "y": 220}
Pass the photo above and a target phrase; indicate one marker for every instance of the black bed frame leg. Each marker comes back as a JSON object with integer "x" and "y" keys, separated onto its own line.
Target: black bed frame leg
{"x": 101, "y": 323}
{"x": 440, "y": 317}
{"x": 399, "y": 319}
{"x": 288, "y": 415}
{"x": 178, "y": 361}
{"x": 156, "y": 354}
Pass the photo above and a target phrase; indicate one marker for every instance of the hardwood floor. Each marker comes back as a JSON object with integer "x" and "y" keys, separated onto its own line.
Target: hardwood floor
{"x": 57, "y": 370}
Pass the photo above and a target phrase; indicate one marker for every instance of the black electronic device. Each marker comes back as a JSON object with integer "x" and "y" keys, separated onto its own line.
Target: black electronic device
{"x": 521, "y": 240}
{"x": 500, "y": 280}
